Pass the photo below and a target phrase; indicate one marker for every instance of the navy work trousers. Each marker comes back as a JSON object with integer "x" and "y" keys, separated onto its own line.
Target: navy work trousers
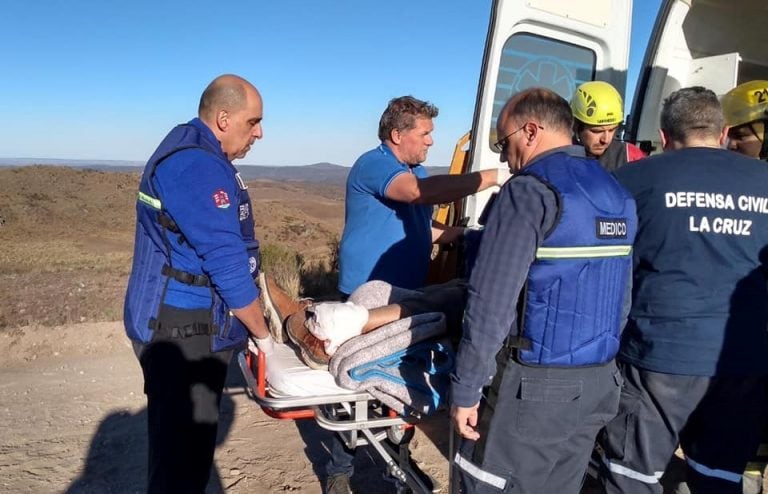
{"x": 718, "y": 422}
{"x": 183, "y": 381}
{"x": 537, "y": 428}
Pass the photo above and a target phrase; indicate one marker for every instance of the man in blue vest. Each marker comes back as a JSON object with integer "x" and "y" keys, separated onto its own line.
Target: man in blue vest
{"x": 693, "y": 354}
{"x": 548, "y": 296}
{"x": 191, "y": 295}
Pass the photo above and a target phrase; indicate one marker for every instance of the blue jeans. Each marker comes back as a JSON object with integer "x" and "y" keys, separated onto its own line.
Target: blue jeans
{"x": 341, "y": 459}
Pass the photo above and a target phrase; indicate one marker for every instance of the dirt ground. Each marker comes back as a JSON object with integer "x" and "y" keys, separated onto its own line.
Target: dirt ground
{"x": 73, "y": 418}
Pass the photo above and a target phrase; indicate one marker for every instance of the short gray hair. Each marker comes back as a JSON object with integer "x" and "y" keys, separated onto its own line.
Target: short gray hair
{"x": 541, "y": 104}
{"x": 226, "y": 92}
{"x": 401, "y": 114}
{"x": 692, "y": 112}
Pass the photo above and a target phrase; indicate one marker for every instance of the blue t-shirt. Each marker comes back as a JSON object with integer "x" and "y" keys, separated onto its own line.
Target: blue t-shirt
{"x": 383, "y": 239}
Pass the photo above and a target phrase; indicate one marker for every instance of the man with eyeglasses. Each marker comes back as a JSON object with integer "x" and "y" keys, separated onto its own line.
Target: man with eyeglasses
{"x": 548, "y": 296}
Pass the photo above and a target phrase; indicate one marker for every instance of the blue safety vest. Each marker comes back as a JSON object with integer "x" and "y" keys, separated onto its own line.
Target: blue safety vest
{"x": 152, "y": 265}
{"x": 572, "y": 301}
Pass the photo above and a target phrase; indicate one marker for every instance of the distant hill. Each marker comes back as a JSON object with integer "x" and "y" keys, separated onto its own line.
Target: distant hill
{"x": 323, "y": 173}
{"x": 110, "y": 165}
{"x": 317, "y": 173}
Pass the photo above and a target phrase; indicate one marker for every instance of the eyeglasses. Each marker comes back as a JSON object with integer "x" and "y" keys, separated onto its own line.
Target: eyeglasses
{"x": 500, "y": 146}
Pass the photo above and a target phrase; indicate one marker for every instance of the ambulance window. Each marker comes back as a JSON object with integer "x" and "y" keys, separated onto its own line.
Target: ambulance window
{"x": 528, "y": 60}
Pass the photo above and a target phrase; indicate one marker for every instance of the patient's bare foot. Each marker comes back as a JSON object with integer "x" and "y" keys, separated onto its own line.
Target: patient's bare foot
{"x": 312, "y": 349}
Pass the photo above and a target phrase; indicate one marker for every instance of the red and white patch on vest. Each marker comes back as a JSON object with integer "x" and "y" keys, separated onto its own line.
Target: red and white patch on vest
{"x": 221, "y": 199}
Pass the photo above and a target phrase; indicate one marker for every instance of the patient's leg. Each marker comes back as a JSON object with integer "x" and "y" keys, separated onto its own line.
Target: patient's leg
{"x": 380, "y": 316}
{"x": 327, "y": 325}
{"x": 448, "y": 298}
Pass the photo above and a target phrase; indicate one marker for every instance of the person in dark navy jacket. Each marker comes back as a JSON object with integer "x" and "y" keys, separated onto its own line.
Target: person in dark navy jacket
{"x": 693, "y": 353}
{"x": 547, "y": 298}
{"x": 191, "y": 295}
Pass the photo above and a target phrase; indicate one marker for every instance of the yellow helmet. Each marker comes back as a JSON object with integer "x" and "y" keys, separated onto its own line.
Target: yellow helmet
{"x": 746, "y": 103}
{"x": 597, "y": 103}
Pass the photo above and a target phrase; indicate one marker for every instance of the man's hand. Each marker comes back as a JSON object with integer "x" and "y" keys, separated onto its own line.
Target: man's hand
{"x": 444, "y": 234}
{"x": 465, "y": 421}
{"x": 265, "y": 345}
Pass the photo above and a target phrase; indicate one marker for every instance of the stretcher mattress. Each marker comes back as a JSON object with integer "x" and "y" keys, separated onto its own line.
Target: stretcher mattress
{"x": 287, "y": 375}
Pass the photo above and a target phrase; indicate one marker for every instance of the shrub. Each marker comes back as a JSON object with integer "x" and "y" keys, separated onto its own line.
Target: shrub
{"x": 284, "y": 265}
{"x": 316, "y": 278}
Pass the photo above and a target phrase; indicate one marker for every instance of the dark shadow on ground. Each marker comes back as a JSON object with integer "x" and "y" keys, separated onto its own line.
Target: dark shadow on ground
{"x": 370, "y": 469}
{"x": 117, "y": 456}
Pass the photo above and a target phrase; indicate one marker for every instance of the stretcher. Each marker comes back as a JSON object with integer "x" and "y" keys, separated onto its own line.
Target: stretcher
{"x": 290, "y": 390}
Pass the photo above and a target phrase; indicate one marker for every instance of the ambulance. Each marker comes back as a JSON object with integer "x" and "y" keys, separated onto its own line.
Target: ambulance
{"x": 559, "y": 44}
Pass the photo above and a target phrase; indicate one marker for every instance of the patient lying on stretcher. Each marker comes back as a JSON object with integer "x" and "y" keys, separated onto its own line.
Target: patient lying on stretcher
{"x": 404, "y": 363}
{"x": 320, "y": 329}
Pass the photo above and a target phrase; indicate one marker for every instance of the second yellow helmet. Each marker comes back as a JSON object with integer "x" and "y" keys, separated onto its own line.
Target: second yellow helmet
{"x": 746, "y": 103}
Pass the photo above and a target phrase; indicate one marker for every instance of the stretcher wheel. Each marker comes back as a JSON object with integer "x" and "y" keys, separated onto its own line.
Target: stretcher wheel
{"x": 400, "y": 434}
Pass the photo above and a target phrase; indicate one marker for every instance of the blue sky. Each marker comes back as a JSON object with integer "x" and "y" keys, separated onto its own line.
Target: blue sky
{"x": 89, "y": 79}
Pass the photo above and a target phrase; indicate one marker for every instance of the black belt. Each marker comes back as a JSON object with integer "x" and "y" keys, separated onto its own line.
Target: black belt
{"x": 183, "y": 331}
{"x": 186, "y": 278}
{"x": 519, "y": 342}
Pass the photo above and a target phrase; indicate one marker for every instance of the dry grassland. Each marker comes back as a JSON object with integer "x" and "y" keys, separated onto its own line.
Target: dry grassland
{"x": 66, "y": 239}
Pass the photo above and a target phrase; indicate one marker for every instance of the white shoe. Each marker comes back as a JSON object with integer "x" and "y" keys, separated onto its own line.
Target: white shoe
{"x": 336, "y": 322}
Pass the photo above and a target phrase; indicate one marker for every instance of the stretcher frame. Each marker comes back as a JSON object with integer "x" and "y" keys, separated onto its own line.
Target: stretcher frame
{"x": 358, "y": 418}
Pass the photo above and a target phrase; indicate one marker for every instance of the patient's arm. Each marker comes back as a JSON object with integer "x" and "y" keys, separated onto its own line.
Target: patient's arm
{"x": 379, "y": 316}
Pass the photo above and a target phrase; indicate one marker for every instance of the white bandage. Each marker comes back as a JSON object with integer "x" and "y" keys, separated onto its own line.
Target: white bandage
{"x": 336, "y": 322}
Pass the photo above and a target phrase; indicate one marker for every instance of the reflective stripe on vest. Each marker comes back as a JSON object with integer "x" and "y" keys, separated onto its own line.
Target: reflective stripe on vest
{"x": 583, "y": 252}
{"x": 150, "y": 201}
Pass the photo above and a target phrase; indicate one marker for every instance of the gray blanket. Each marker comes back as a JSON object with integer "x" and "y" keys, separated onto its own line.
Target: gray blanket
{"x": 404, "y": 364}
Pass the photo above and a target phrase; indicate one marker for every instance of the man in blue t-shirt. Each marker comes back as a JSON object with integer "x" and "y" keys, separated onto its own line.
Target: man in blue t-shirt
{"x": 388, "y": 229}
{"x": 693, "y": 353}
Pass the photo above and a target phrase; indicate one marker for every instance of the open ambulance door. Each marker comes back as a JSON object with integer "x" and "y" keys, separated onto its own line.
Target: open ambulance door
{"x": 712, "y": 43}
{"x": 552, "y": 43}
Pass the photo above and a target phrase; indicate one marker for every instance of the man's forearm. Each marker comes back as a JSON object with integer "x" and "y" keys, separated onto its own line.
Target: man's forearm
{"x": 447, "y": 188}
{"x": 253, "y": 318}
